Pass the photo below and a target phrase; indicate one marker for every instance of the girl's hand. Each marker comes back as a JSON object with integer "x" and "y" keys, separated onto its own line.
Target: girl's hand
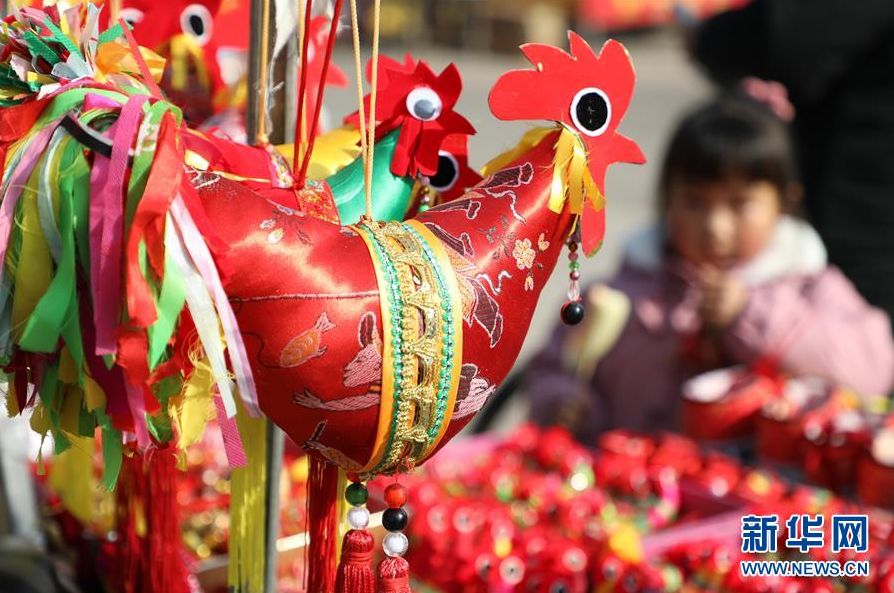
{"x": 723, "y": 297}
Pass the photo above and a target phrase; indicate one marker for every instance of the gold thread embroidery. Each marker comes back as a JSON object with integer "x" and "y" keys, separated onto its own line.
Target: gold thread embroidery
{"x": 415, "y": 413}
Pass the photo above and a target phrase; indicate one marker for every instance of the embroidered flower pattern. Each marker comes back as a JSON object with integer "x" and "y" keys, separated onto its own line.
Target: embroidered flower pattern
{"x": 529, "y": 282}
{"x": 524, "y": 254}
{"x": 542, "y": 243}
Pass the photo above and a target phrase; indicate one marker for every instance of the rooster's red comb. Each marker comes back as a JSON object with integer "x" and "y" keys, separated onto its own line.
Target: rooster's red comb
{"x": 548, "y": 91}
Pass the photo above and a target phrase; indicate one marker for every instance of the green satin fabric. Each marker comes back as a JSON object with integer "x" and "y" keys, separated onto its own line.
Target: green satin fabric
{"x": 391, "y": 194}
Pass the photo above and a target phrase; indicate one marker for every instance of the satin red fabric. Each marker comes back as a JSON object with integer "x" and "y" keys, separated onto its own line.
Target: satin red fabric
{"x": 307, "y": 299}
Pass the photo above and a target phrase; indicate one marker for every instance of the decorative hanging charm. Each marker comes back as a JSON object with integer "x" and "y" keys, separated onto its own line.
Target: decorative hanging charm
{"x": 394, "y": 571}
{"x": 355, "y": 573}
{"x": 573, "y": 309}
{"x": 424, "y": 199}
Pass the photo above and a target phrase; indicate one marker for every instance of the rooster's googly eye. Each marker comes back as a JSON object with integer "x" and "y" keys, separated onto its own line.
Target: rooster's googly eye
{"x": 483, "y": 566}
{"x": 591, "y": 111}
{"x": 574, "y": 559}
{"x": 196, "y": 21}
{"x": 559, "y": 587}
{"x": 131, "y": 16}
{"x": 446, "y": 175}
{"x": 424, "y": 104}
{"x": 512, "y": 570}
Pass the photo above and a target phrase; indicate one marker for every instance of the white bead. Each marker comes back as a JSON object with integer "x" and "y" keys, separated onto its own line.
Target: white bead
{"x": 358, "y": 517}
{"x": 395, "y": 544}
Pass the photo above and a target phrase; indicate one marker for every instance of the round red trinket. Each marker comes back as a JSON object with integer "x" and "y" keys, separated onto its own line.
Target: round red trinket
{"x": 396, "y": 496}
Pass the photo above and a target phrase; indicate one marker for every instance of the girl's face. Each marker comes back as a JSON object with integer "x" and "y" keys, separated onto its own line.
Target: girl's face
{"x": 721, "y": 223}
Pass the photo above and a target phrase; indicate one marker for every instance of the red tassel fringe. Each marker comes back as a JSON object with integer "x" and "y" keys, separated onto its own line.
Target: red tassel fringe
{"x": 129, "y": 564}
{"x": 355, "y": 573}
{"x": 152, "y": 562}
{"x": 168, "y": 572}
{"x": 394, "y": 575}
{"x": 322, "y": 525}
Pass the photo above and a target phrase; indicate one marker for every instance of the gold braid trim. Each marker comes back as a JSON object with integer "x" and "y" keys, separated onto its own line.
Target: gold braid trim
{"x": 421, "y": 313}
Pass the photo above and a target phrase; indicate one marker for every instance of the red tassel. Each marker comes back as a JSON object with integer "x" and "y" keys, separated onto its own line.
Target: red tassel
{"x": 167, "y": 571}
{"x": 355, "y": 573}
{"x": 394, "y": 575}
{"x": 129, "y": 562}
{"x": 322, "y": 519}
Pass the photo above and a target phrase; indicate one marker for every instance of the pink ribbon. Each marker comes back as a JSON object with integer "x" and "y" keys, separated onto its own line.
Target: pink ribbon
{"x": 230, "y": 433}
{"x": 97, "y": 101}
{"x": 107, "y": 180}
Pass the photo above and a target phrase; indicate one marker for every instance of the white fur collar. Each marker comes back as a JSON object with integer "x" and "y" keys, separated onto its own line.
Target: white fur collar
{"x": 795, "y": 249}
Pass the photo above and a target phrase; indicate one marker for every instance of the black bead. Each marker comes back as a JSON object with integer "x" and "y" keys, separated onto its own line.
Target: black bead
{"x": 572, "y": 313}
{"x": 394, "y": 519}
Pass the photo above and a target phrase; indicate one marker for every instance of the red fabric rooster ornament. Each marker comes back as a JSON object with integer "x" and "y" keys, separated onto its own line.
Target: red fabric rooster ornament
{"x": 156, "y": 23}
{"x": 370, "y": 345}
{"x": 441, "y": 346}
{"x": 421, "y": 104}
{"x": 588, "y": 94}
{"x": 454, "y": 176}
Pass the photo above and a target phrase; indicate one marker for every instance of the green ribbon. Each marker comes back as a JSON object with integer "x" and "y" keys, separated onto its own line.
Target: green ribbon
{"x": 62, "y": 38}
{"x": 391, "y": 194}
{"x": 111, "y": 34}
{"x": 49, "y": 389}
{"x": 74, "y": 184}
{"x": 112, "y": 452}
{"x": 39, "y": 48}
{"x": 169, "y": 305}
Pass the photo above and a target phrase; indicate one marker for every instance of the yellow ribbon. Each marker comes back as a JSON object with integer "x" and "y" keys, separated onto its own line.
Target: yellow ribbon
{"x": 572, "y": 181}
{"x": 74, "y": 480}
{"x": 34, "y": 268}
{"x": 115, "y": 58}
{"x": 531, "y": 139}
{"x": 195, "y": 404}
{"x": 185, "y": 49}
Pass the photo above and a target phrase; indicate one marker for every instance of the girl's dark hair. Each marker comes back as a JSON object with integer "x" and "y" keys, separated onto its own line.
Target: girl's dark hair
{"x": 731, "y": 137}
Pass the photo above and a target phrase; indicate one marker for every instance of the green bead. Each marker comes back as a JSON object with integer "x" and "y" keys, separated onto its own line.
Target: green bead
{"x": 575, "y": 265}
{"x": 356, "y": 494}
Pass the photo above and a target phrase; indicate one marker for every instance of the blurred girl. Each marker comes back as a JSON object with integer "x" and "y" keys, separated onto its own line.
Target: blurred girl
{"x": 727, "y": 277}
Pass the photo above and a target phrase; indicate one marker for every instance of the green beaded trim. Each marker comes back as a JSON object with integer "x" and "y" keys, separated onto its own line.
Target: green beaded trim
{"x": 395, "y": 305}
{"x": 447, "y": 325}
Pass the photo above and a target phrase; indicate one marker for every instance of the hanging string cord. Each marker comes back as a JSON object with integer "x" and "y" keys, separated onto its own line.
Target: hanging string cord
{"x": 367, "y": 127}
{"x": 304, "y": 12}
{"x": 318, "y": 108}
{"x": 355, "y": 30}
{"x": 114, "y": 11}
{"x": 371, "y": 128}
